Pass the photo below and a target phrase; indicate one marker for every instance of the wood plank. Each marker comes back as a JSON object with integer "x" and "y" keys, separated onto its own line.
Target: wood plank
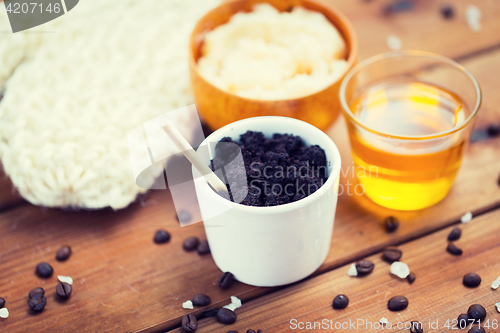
{"x": 437, "y": 295}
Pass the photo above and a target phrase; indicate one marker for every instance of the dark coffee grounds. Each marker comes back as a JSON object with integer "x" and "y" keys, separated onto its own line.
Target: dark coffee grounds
{"x": 278, "y": 171}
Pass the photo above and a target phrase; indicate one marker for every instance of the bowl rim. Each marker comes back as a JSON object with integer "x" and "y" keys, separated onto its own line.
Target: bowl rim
{"x": 349, "y": 36}
{"x": 329, "y": 144}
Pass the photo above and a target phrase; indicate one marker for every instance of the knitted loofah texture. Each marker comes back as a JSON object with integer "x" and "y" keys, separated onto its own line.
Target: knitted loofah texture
{"x": 74, "y": 92}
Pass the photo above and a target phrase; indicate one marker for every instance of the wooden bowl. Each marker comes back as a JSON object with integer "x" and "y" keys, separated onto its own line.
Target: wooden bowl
{"x": 220, "y": 107}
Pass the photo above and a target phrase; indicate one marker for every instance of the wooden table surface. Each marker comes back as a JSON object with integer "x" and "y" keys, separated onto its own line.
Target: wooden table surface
{"x": 123, "y": 282}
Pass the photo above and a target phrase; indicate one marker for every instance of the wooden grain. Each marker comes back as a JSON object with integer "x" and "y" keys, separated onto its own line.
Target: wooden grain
{"x": 9, "y": 198}
{"x": 436, "y": 295}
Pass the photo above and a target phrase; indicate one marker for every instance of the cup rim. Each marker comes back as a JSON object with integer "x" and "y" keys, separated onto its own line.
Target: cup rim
{"x": 349, "y": 37}
{"x": 332, "y": 177}
{"x": 410, "y": 53}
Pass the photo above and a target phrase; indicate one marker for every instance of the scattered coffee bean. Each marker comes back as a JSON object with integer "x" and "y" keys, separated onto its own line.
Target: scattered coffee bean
{"x": 226, "y": 316}
{"x": 201, "y": 300}
{"x": 463, "y": 321}
{"x": 364, "y": 267}
{"x": 250, "y": 330}
{"x": 416, "y": 327}
{"x": 476, "y": 329}
{"x": 36, "y": 291}
{"x": 189, "y": 323}
{"x": 392, "y": 254}
{"x": 190, "y": 243}
{"x": 63, "y": 253}
{"x": 454, "y": 234}
{"x": 398, "y": 6}
{"x": 471, "y": 280}
{"x": 63, "y": 290}
{"x": 397, "y": 303}
{"x": 44, "y": 270}
{"x": 203, "y": 247}
{"x": 209, "y": 312}
{"x": 340, "y": 302}
{"x": 447, "y": 12}
{"x": 476, "y": 312}
{"x": 2, "y": 302}
{"x": 183, "y": 216}
{"x": 37, "y": 302}
{"x": 391, "y": 224}
{"x": 411, "y": 278}
{"x": 453, "y": 249}
{"x": 232, "y": 331}
{"x": 493, "y": 130}
{"x": 161, "y": 237}
{"x": 226, "y": 280}
{"x": 498, "y": 180}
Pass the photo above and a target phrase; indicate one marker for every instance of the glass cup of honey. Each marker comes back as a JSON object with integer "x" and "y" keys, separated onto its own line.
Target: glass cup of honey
{"x": 409, "y": 115}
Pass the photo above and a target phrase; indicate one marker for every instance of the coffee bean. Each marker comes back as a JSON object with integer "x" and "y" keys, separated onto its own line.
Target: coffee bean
{"x": 463, "y": 321}
{"x": 226, "y": 280}
{"x": 190, "y": 243}
{"x": 476, "y": 312}
{"x": 36, "y": 291}
{"x": 476, "y": 329}
{"x": 189, "y": 323}
{"x": 209, "y": 312}
{"x": 183, "y": 216}
{"x": 447, "y": 12}
{"x": 364, "y": 267}
{"x": 416, "y": 327}
{"x": 2, "y": 302}
{"x": 493, "y": 130}
{"x": 411, "y": 278}
{"x": 454, "y": 234}
{"x": 453, "y": 249}
{"x": 250, "y": 330}
{"x": 397, "y": 303}
{"x": 203, "y": 247}
{"x": 37, "y": 302}
{"x": 226, "y": 316}
{"x": 201, "y": 300}
{"x": 232, "y": 331}
{"x": 471, "y": 280}
{"x": 391, "y": 224}
{"x": 63, "y": 253}
{"x": 63, "y": 290}
{"x": 392, "y": 254}
{"x": 161, "y": 236}
{"x": 44, "y": 270}
{"x": 340, "y": 302}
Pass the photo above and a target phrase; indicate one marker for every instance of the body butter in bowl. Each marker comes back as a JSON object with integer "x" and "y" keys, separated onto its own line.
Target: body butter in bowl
{"x": 279, "y": 231}
{"x": 270, "y": 57}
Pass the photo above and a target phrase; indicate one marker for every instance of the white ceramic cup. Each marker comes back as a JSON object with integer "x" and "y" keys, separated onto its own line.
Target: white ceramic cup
{"x": 277, "y": 245}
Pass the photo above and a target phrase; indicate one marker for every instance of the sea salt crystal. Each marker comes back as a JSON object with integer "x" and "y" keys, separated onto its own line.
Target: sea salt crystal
{"x": 352, "y": 270}
{"x": 496, "y": 284}
{"x": 466, "y": 218}
{"x": 187, "y": 304}
{"x": 400, "y": 269}
{"x": 394, "y": 43}
{"x": 384, "y": 320}
{"x": 4, "y": 313}
{"x": 66, "y": 279}
{"x": 498, "y": 306}
{"x": 473, "y": 16}
{"x": 231, "y": 307}
{"x": 236, "y": 301}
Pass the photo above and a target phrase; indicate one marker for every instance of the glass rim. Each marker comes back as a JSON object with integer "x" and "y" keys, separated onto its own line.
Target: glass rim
{"x": 412, "y": 53}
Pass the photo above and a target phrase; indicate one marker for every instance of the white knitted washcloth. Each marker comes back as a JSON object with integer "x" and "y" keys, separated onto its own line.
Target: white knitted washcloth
{"x": 77, "y": 86}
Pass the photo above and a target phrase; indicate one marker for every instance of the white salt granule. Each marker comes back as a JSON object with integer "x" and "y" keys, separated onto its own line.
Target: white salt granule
{"x": 496, "y": 284}
{"x": 473, "y": 16}
{"x": 4, "y": 313}
{"x": 384, "y": 320}
{"x": 466, "y": 218}
{"x": 352, "y": 270}
{"x": 66, "y": 279}
{"x": 400, "y": 269}
{"x": 187, "y": 304}
{"x": 231, "y": 307}
{"x": 498, "y": 306}
{"x": 394, "y": 43}
{"x": 236, "y": 301}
